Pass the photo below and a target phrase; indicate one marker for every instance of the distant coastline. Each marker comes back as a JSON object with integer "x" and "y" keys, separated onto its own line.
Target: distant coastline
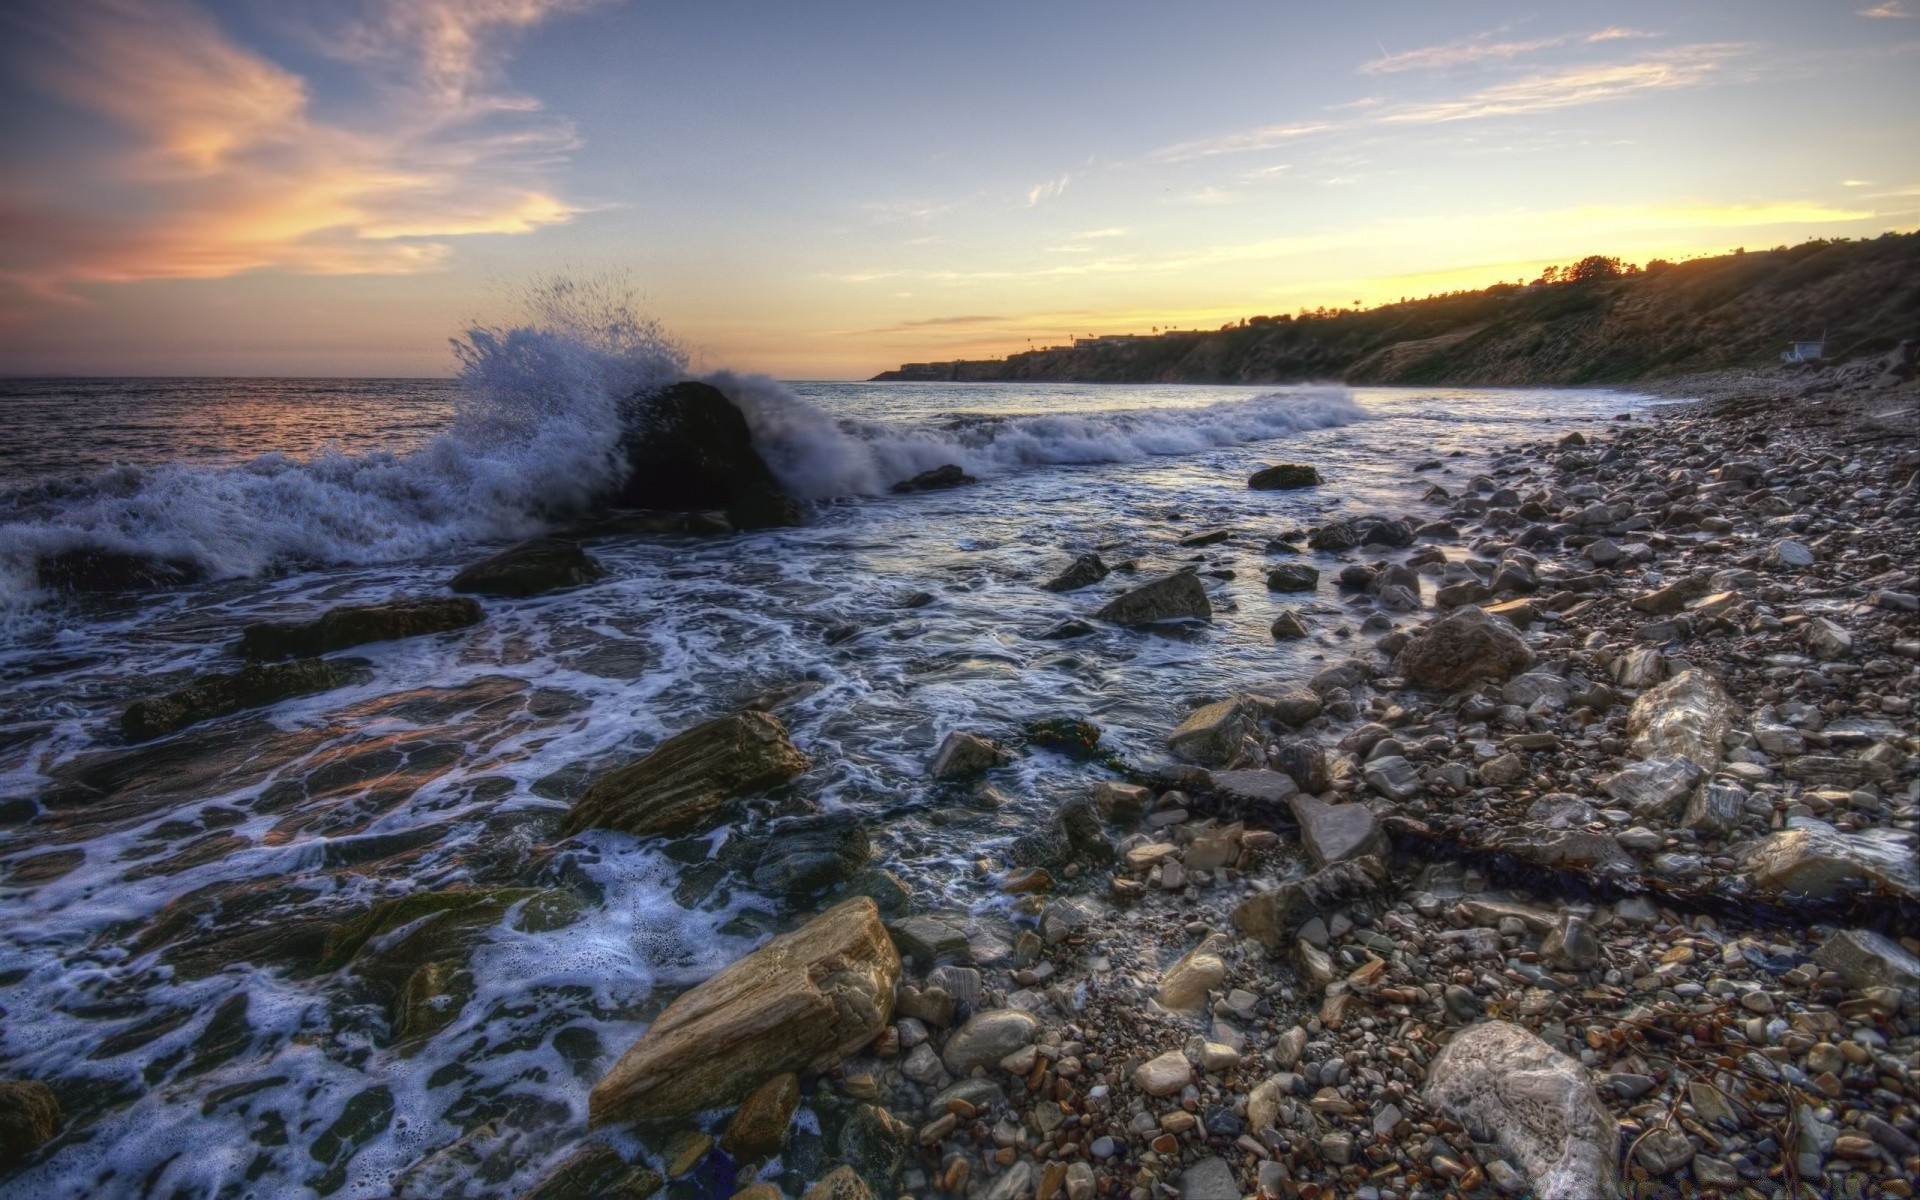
{"x": 1598, "y": 322}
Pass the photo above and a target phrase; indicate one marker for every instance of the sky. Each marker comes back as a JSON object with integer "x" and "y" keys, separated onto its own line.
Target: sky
{"x": 825, "y": 190}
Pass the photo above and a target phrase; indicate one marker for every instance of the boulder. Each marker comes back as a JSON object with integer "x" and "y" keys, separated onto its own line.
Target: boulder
{"x": 1506, "y": 1085}
{"x": 530, "y": 568}
{"x": 988, "y": 1037}
{"x": 1811, "y": 858}
{"x": 1174, "y": 597}
{"x": 1284, "y": 477}
{"x": 802, "y": 1002}
{"x": 219, "y": 695}
{"x": 29, "y": 1116}
{"x": 1254, "y": 791}
{"x": 689, "y": 448}
{"x": 759, "y": 1126}
{"x": 91, "y": 569}
{"x": 1464, "y": 647}
{"x": 683, "y": 782}
{"x": 1685, "y": 717}
{"x": 1293, "y": 577}
{"x": 1288, "y": 627}
{"x": 1212, "y": 733}
{"x": 358, "y": 624}
{"x": 1083, "y": 572}
{"x": 965, "y": 755}
{"x": 948, "y": 475}
{"x": 1070, "y": 736}
{"x": 1337, "y": 832}
{"x": 1867, "y": 959}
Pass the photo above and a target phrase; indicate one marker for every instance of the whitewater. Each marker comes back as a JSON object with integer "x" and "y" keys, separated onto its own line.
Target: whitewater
{"x": 190, "y": 1060}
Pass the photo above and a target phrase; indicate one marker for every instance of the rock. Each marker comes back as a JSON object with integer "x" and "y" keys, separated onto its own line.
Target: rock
{"x": 1811, "y": 858}
{"x": 358, "y": 624}
{"x": 1393, "y": 777}
{"x": 1084, "y": 572}
{"x": 97, "y": 569}
{"x": 988, "y": 1037}
{"x": 1867, "y": 959}
{"x": 1295, "y": 707}
{"x": 802, "y": 1002}
{"x": 759, "y": 1126}
{"x": 1654, "y": 788}
{"x": 1184, "y": 986}
{"x": 841, "y": 1183}
{"x": 1303, "y": 762}
{"x": 594, "y": 1171}
{"x": 965, "y": 755}
{"x": 1714, "y": 809}
{"x": 1070, "y": 736}
{"x": 1688, "y": 716}
{"x": 1211, "y": 1178}
{"x": 1827, "y": 641}
{"x": 1571, "y": 943}
{"x": 876, "y": 1144}
{"x": 1165, "y": 1075}
{"x": 1293, "y": 577}
{"x": 1213, "y": 732}
{"x": 1560, "y": 810}
{"x": 1506, "y": 1085}
{"x": 252, "y": 686}
{"x": 530, "y": 568}
{"x": 807, "y": 855}
{"x": 1174, "y": 597}
{"x": 1284, "y": 477}
{"x": 931, "y": 938}
{"x": 1789, "y": 555}
{"x": 1337, "y": 832}
{"x": 948, "y": 475}
{"x": 1288, "y": 627}
{"x": 1504, "y": 770}
{"x": 688, "y": 448}
{"x": 1254, "y": 791}
{"x": 29, "y": 1117}
{"x": 1464, "y": 647}
{"x": 1067, "y": 630}
{"x": 682, "y": 783}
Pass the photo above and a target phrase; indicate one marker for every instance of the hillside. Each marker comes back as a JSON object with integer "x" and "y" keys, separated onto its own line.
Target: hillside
{"x": 1734, "y": 310}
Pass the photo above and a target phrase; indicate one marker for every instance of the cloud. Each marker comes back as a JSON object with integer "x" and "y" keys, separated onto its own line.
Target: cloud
{"x": 1264, "y": 137}
{"x": 1892, "y": 10}
{"x": 1482, "y": 48}
{"x": 201, "y": 158}
{"x": 1113, "y": 232}
{"x": 1046, "y": 191}
{"x": 1681, "y": 67}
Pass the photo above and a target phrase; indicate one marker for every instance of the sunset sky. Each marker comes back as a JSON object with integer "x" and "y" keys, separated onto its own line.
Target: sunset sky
{"x": 824, "y": 190}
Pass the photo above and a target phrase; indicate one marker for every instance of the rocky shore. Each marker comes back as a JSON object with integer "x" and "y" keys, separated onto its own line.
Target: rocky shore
{"x": 1601, "y": 880}
{"x": 1586, "y": 863}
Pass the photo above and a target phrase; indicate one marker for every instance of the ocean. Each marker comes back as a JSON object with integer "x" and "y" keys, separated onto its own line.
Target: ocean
{"x": 155, "y": 899}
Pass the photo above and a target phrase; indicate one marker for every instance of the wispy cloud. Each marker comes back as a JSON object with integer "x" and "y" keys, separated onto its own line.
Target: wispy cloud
{"x": 1091, "y": 234}
{"x": 1048, "y": 190}
{"x": 1668, "y": 70}
{"x": 1892, "y": 10}
{"x": 230, "y": 169}
{"x": 1484, "y": 48}
{"x": 1264, "y": 137}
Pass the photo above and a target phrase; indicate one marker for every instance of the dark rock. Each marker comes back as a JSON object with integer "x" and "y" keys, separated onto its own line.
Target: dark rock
{"x": 94, "y": 569}
{"x": 595, "y": 1171}
{"x": 1288, "y": 627}
{"x": 29, "y": 1115}
{"x": 357, "y": 624}
{"x": 689, "y": 448}
{"x": 1065, "y": 735}
{"x": 1293, "y": 577}
{"x": 963, "y": 755}
{"x": 1284, "y": 476}
{"x": 685, "y": 780}
{"x": 1172, "y": 597}
{"x": 947, "y": 476}
{"x": 220, "y": 695}
{"x": 1086, "y": 570}
{"x": 1462, "y": 648}
{"x": 808, "y": 855}
{"x": 1066, "y": 630}
{"x": 530, "y": 568}
{"x": 1304, "y": 763}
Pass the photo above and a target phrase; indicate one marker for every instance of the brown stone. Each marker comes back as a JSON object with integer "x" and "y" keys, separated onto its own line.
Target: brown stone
{"x": 685, "y": 780}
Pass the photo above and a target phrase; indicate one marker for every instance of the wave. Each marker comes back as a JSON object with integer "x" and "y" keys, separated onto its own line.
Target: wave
{"x": 535, "y": 439}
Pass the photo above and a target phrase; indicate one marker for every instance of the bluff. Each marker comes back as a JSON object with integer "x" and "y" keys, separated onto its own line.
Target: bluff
{"x": 1608, "y": 326}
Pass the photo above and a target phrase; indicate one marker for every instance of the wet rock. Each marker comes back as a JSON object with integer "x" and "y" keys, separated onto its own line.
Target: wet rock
{"x": 759, "y": 1126}
{"x": 1284, "y": 477}
{"x": 364, "y": 1117}
{"x": 97, "y": 569}
{"x": 221, "y": 695}
{"x": 1654, "y": 788}
{"x": 1288, "y": 627}
{"x": 1174, "y": 597}
{"x": 29, "y": 1117}
{"x": 530, "y": 568}
{"x": 1464, "y": 647}
{"x": 684, "y": 781}
{"x": 1070, "y": 736}
{"x": 595, "y": 1171}
{"x": 1254, "y": 791}
{"x": 808, "y": 855}
{"x": 1571, "y": 943}
{"x": 988, "y": 1037}
{"x": 1303, "y": 762}
{"x": 965, "y": 755}
{"x": 1295, "y": 707}
{"x": 1337, "y": 832}
{"x": 938, "y": 478}
{"x": 1688, "y": 716}
{"x": 1293, "y": 577}
{"x": 1506, "y": 1085}
{"x": 841, "y": 1183}
{"x": 1811, "y": 858}
{"x": 1393, "y": 777}
{"x": 1085, "y": 571}
{"x": 358, "y": 624}
{"x": 1213, "y": 732}
{"x": 932, "y": 938}
{"x": 1714, "y": 809}
{"x": 802, "y": 1002}
{"x": 877, "y": 1145}
{"x": 1867, "y": 959}
{"x": 689, "y": 448}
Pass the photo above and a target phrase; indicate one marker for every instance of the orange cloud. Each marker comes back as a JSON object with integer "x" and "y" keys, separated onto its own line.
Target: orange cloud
{"x": 206, "y": 160}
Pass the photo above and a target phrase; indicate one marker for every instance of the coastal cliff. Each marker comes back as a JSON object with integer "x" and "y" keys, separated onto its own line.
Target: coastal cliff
{"x": 1669, "y": 319}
